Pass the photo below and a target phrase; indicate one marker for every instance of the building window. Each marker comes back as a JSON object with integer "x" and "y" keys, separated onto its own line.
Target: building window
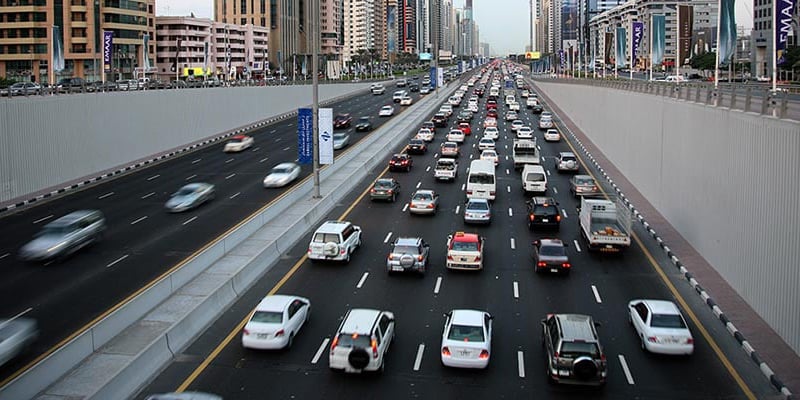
{"x": 243, "y": 9}
{"x": 273, "y": 13}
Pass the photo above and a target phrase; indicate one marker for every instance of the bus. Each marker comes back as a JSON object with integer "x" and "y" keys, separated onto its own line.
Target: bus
{"x": 481, "y": 180}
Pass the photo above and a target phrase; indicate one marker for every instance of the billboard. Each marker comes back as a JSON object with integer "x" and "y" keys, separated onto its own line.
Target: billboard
{"x": 391, "y": 28}
{"x": 569, "y": 19}
{"x": 425, "y": 56}
{"x": 685, "y": 23}
{"x": 305, "y": 144}
{"x": 533, "y": 55}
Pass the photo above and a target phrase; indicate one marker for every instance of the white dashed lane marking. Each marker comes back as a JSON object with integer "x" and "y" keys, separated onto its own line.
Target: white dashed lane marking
{"x": 148, "y": 195}
{"x": 521, "y": 364}
{"x": 117, "y": 261}
{"x": 516, "y": 290}
{"x": 321, "y": 349}
{"x": 513, "y": 244}
{"x": 235, "y": 195}
{"x": 388, "y": 235}
{"x": 188, "y": 178}
{"x": 596, "y": 294}
{"x": 188, "y": 221}
{"x": 153, "y": 177}
{"x": 363, "y": 279}
{"x": 418, "y": 359}
{"x": 625, "y": 369}
{"x": 109, "y": 194}
{"x": 577, "y": 247}
{"x": 139, "y": 220}
{"x": 438, "y": 285}
{"x": 43, "y": 219}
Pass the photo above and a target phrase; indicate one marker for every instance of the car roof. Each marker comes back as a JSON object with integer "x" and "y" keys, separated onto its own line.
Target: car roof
{"x": 71, "y": 217}
{"x": 566, "y": 153}
{"x": 360, "y": 320}
{"x": 544, "y": 200}
{"x": 195, "y": 186}
{"x": 478, "y": 201}
{"x": 551, "y": 242}
{"x": 661, "y": 307}
{"x": 333, "y": 226}
{"x": 576, "y": 177}
{"x": 285, "y": 165}
{"x": 465, "y": 237}
{"x": 467, "y": 317}
{"x": 424, "y": 191}
{"x": 407, "y": 241}
{"x": 486, "y": 139}
{"x": 277, "y": 302}
{"x": 576, "y": 327}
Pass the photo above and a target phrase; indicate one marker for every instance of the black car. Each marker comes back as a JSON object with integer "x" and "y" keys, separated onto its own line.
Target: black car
{"x": 440, "y": 120}
{"x": 428, "y": 125}
{"x": 479, "y": 92}
{"x": 363, "y": 124}
{"x": 400, "y": 162}
{"x": 464, "y": 116}
{"x": 70, "y": 84}
{"x": 384, "y": 189}
{"x": 342, "y": 121}
{"x": 543, "y": 212}
{"x": 414, "y": 87}
{"x": 537, "y": 109}
{"x": 417, "y": 146}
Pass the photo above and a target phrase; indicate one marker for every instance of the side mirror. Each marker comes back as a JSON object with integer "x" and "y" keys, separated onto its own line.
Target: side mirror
{"x": 597, "y": 324}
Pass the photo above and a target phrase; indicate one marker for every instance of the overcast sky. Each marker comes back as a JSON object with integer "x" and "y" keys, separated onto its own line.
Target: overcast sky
{"x": 504, "y": 24}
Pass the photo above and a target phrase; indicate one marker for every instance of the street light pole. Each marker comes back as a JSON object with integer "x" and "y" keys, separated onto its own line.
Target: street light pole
{"x": 315, "y": 92}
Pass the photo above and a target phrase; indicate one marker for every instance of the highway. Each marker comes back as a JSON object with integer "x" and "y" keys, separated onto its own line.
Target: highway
{"x": 143, "y": 241}
{"x": 518, "y": 298}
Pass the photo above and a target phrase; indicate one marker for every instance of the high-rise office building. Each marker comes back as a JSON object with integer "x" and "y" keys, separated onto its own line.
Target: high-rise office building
{"x": 407, "y": 26}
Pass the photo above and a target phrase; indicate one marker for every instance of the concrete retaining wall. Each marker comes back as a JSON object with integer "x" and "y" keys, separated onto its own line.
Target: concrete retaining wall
{"x": 726, "y": 180}
{"x": 47, "y": 141}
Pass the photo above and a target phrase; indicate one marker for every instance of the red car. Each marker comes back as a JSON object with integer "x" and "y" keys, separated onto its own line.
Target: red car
{"x": 400, "y": 162}
{"x": 492, "y": 113}
{"x": 465, "y": 128}
{"x": 491, "y": 105}
{"x": 342, "y": 121}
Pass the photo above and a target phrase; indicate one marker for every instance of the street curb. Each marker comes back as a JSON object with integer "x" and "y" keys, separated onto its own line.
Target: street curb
{"x": 751, "y": 352}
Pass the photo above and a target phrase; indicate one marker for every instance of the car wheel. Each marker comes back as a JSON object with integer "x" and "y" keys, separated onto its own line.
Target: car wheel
{"x": 347, "y": 257}
{"x": 641, "y": 341}
{"x": 394, "y": 197}
{"x": 291, "y": 340}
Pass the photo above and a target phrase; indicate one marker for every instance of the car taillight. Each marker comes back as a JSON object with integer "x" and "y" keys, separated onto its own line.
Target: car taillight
{"x": 374, "y": 348}
{"x": 689, "y": 341}
{"x": 566, "y": 265}
{"x": 341, "y": 252}
{"x": 430, "y": 205}
{"x": 531, "y": 217}
{"x": 279, "y": 333}
{"x": 245, "y": 331}
{"x": 445, "y": 351}
{"x": 390, "y": 257}
{"x": 652, "y": 339}
{"x": 334, "y": 343}
{"x": 449, "y": 257}
{"x": 491, "y": 193}
{"x": 309, "y": 250}
{"x": 389, "y": 191}
{"x": 372, "y": 190}
{"x": 477, "y": 258}
{"x": 484, "y": 354}
{"x": 541, "y": 264}
{"x": 419, "y": 258}
{"x": 558, "y": 218}
{"x": 469, "y": 192}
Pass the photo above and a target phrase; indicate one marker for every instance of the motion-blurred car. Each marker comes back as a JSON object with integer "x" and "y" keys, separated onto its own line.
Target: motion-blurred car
{"x": 385, "y": 189}
{"x": 661, "y": 327}
{"x": 364, "y": 124}
{"x": 424, "y": 201}
{"x": 550, "y": 255}
{"x": 184, "y": 396}
{"x": 400, "y": 161}
{"x": 16, "y": 335}
{"x": 406, "y": 101}
{"x": 281, "y": 175}
{"x": 477, "y": 211}
{"x": 449, "y": 149}
{"x": 64, "y": 236}
{"x": 386, "y": 111}
{"x": 583, "y": 185}
{"x": 552, "y": 135}
{"x": 408, "y": 254}
{"x": 190, "y": 196}
{"x": 467, "y": 339}
{"x": 21, "y": 89}
{"x": 275, "y": 322}
{"x": 340, "y": 140}
{"x": 417, "y": 146}
{"x": 341, "y": 121}
{"x": 238, "y": 143}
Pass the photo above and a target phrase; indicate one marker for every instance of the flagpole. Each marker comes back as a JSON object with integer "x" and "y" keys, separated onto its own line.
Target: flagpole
{"x": 716, "y": 63}
{"x": 630, "y": 70}
{"x": 616, "y": 55}
{"x": 774, "y": 46}
{"x": 678, "y": 43}
{"x": 651, "y": 46}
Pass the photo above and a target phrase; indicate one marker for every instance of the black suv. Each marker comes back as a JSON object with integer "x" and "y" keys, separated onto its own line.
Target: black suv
{"x": 574, "y": 353}
{"x": 543, "y": 212}
{"x": 440, "y": 120}
{"x": 537, "y": 108}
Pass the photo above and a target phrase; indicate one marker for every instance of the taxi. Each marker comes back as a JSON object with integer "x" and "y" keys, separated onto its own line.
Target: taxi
{"x": 465, "y": 251}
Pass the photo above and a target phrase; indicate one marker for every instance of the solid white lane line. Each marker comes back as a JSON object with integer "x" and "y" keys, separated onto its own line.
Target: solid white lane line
{"x": 148, "y": 195}
{"x": 419, "y": 184}
{"x": 405, "y": 207}
{"x": 320, "y": 350}
{"x": 262, "y": 160}
{"x": 196, "y": 161}
{"x": 228, "y": 160}
{"x": 438, "y": 285}
{"x": 510, "y": 213}
{"x": 153, "y": 177}
{"x": 188, "y": 178}
{"x": 235, "y": 195}
{"x": 117, "y": 261}
{"x": 555, "y": 190}
{"x": 190, "y": 220}
{"x": 418, "y": 360}
{"x": 229, "y": 176}
{"x": 513, "y": 244}
{"x": 109, "y": 194}
{"x": 577, "y": 247}
{"x": 520, "y": 364}
{"x": 428, "y": 169}
{"x": 596, "y": 294}
{"x": 5, "y": 255}
{"x": 139, "y": 220}
{"x": 43, "y": 219}
{"x": 457, "y": 209}
{"x": 625, "y": 369}
{"x": 256, "y": 149}
{"x": 564, "y": 213}
{"x": 287, "y": 149}
{"x": 516, "y": 290}
{"x": 388, "y": 235}
{"x": 363, "y": 278}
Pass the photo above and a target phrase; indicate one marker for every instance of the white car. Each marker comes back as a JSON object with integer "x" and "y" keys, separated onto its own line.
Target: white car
{"x": 386, "y": 111}
{"x": 362, "y": 341}
{"x": 552, "y": 135}
{"x": 335, "y": 241}
{"x": 491, "y": 132}
{"x": 545, "y": 123}
{"x": 660, "y": 327}
{"x": 490, "y": 155}
{"x": 467, "y": 339}
{"x": 398, "y": 95}
{"x": 275, "y": 322}
{"x": 238, "y": 143}
{"x": 516, "y": 124}
{"x": 281, "y": 175}
{"x": 513, "y": 106}
{"x": 455, "y": 135}
{"x": 473, "y": 107}
{"x": 425, "y": 134}
{"x": 486, "y": 144}
{"x": 525, "y": 132}
{"x": 406, "y": 101}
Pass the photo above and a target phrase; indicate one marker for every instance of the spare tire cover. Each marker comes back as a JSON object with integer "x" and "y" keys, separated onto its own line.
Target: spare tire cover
{"x": 584, "y": 368}
{"x": 330, "y": 249}
{"x": 358, "y": 358}
{"x": 407, "y": 260}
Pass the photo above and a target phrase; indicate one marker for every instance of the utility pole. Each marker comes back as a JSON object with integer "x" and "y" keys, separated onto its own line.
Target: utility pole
{"x": 315, "y": 92}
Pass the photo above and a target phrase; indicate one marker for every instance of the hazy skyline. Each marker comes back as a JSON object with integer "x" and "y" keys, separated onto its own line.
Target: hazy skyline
{"x": 504, "y": 24}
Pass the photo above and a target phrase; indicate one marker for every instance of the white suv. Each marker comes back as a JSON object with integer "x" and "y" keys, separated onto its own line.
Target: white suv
{"x": 362, "y": 341}
{"x": 334, "y": 240}
{"x": 377, "y": 89}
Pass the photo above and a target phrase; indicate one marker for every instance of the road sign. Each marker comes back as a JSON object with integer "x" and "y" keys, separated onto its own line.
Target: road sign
{"x": 305, "y": 144}
{"x": 325, "y": 136}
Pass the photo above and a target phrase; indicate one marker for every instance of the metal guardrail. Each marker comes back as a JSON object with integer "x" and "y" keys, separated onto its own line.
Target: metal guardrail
{"x": 783, "y": 104}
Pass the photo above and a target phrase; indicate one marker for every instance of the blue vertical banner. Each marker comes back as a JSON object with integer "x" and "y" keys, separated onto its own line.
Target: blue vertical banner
{"x": 305, "y": 141}
{"x": 658, "y": 38}
{"x": 620, "y": 50}
{"x": 727, "y": 30}
{"x": 108, "y": 49}
{"x": 636, "y": 40}
{"x": 433, "y": 75}
{"x": 783, "y": 23}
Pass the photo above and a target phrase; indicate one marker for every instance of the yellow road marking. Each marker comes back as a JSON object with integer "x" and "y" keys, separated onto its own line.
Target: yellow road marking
{"x": 654, "y": 264}
{"x": 238, "y": 328}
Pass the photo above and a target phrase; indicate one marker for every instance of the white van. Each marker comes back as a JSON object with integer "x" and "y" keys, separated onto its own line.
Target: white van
{"x": 534, "y": 178}
{"x": 675, "y": 79}
{"x": 481, "y": 183}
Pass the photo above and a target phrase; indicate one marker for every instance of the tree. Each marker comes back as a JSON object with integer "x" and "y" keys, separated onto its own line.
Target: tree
{"x": 704, "y": 62}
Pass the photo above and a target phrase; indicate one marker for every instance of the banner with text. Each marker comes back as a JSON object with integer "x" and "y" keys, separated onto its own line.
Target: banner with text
{"x": 305, "y": 143}
{"x": 783, "y": 21}
{"x": 108, "y": 49}
{"x": 325, "y": 136}
{"x": 658, "y": 39}
{"x": 636, "y": 40}
{"x": 685, "y": 23}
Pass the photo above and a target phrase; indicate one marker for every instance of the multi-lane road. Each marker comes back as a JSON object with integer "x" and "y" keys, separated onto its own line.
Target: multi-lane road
{"x": 143, "y": 241}
{"x": 517, "y": 297}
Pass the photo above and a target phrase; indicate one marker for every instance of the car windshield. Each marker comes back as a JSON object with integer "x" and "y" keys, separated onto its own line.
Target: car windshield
{"x": 280, "y": 170}
{"x": 353, "y": 340}
{"x": 342, "y": 117}
{"x": 267, "y": 317}
{"x": 363, "y": 119}
{"x": 184, "y": 192}
{"x": 534, "y": 177}
{"x": 567, "y": 158}
{"x": 235, "y": 140}
{"x": 481, "y": 179}
{"x": 383, "y": 184}
{"x": 489, "y": 154}
{"x": 577, "y": 349}
{"x": 477, "y": 206}
{"x": 422, "y": 196}
{"x": 57, "y": 230}
{"x": 466, "y": 333}
{"x": 416, "y": 142}
{"x": 465, "y": 246}
{"x": 667, "y": 321}
{"x": 326, "y": 238}
{"x": 339, "y": 136}
{"x": 584, "y": 181}
{"x": 553, "y": 251}
{"x": 406, "y": 250}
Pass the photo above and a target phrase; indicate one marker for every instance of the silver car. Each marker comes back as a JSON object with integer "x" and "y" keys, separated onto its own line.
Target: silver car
{"x": 190, "y": 196}
{"x": 424, "y": 202}
{"x": 65, "y": 236}
{"x": 478, "y": 211}
{"x": 340, "y": 140}
{"x": 408, "y": 255}
{"x": 282, "y": 174}
{"x": 583, "y": 185}
{"x": 15, "y": 335}
{"x": 549, "y": 255}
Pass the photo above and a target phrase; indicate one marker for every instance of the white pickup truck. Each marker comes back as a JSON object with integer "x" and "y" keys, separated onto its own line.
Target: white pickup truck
{"x": 525, "y": 151}
{"x": 605, "y": 224}
{"x": 446, "y": 169}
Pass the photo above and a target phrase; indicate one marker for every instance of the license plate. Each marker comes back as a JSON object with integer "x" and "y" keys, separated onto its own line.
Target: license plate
{"x": 545, "y": 220}
{"x": 463, "y": 259}
{"x": 608, "y": 246}
{"x": 553, "y": 269}
{"x": 562, "y": 372}
{"x": 263, "y": 336}
{"x": 397, "y": 268}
